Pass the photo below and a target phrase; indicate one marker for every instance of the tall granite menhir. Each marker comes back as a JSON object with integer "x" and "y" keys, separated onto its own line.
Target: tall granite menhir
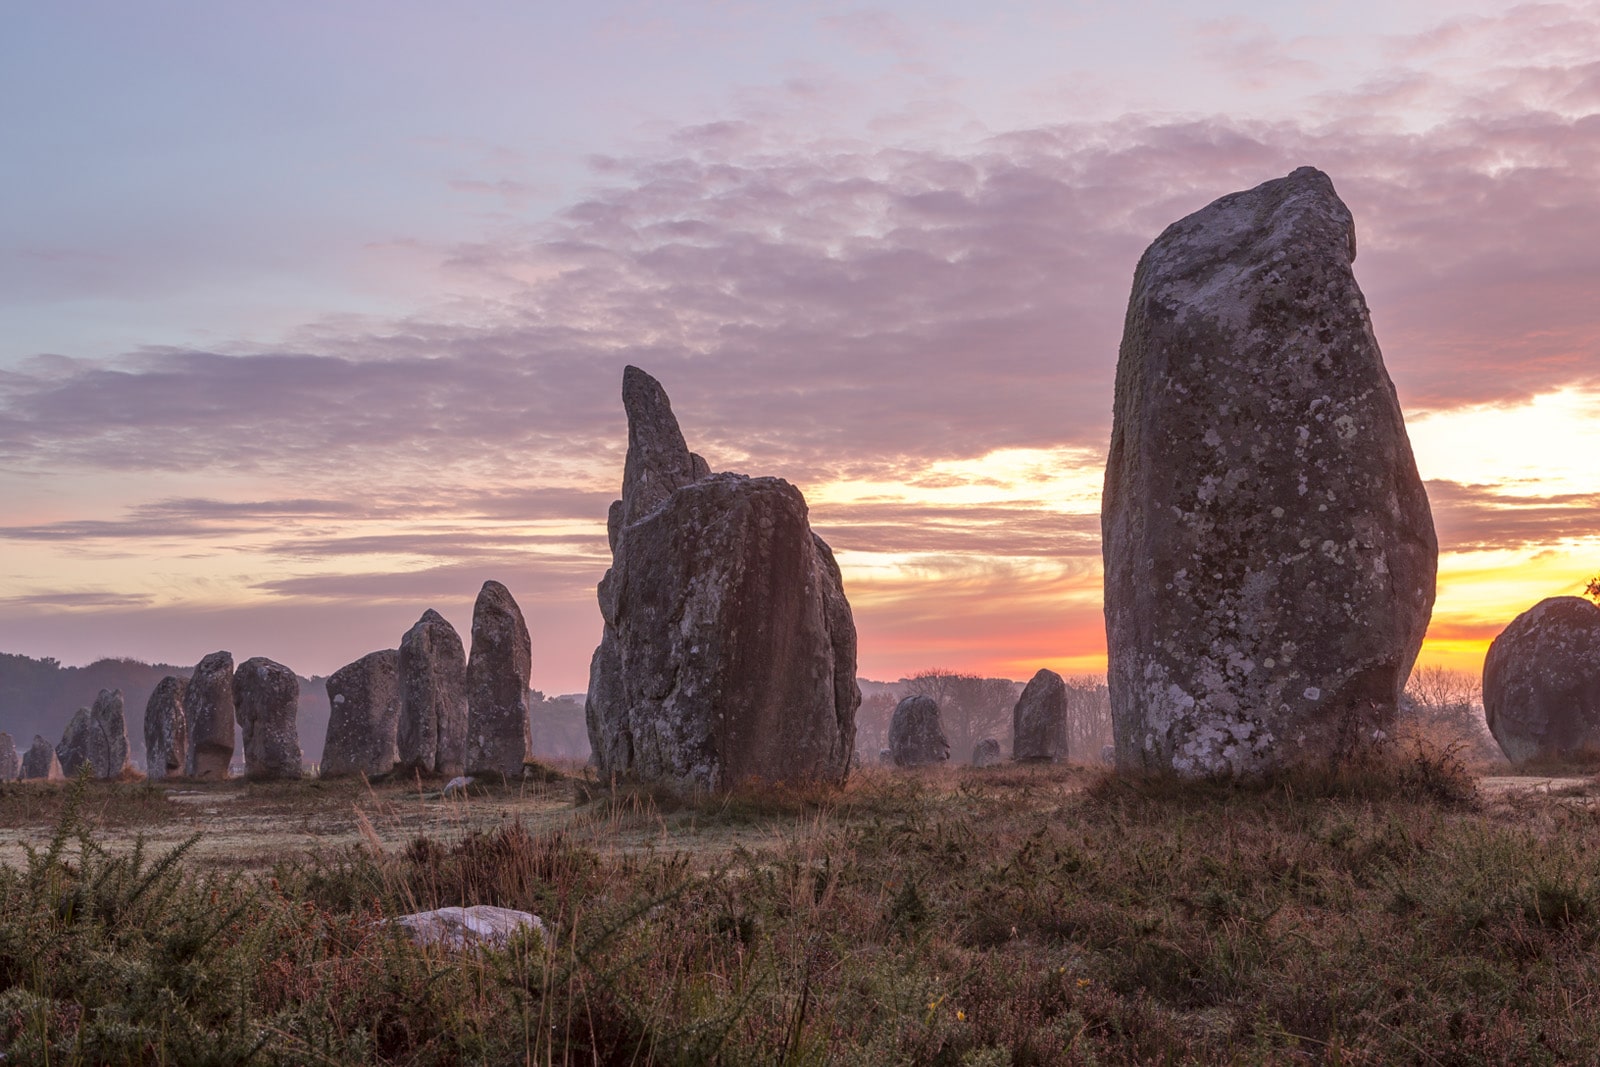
{"x": 728, "y": 652}
{"x": 498, "y": 741}
{"x": 1269, "y": 551}
{"x": 363, "y": 716}
{"x": 166, "y": 728}
{"x": 10, "y": 761}
{"x": 266, "y": 698}
{"x": 209, "y": 704}
{"x": 432, "y": 734}
{"x": 1039, "y": 721}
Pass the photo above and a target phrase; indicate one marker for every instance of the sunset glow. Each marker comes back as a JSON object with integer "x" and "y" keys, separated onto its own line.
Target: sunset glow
{"x": 314, "y": 323}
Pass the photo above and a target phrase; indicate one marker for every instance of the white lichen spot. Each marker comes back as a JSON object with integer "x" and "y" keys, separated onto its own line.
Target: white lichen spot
{"x": 1312, "y": 693}
{"x": 1277, "y": 513}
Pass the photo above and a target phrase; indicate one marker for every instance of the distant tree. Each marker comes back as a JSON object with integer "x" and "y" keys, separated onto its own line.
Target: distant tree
{"x": 1446, "y": 708}
{"x": 872, "y": 725}
{"x": 558, "y": 726}
{"x": 1088, "y": 717}
{"x": 1592, "y": 590}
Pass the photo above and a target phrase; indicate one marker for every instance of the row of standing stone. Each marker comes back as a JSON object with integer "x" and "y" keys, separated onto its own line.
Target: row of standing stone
{"x": 97, "y": 737}
{"x": 424, "y": 707}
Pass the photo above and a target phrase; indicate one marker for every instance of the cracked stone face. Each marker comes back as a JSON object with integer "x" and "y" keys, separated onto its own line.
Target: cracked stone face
{"x": 1541, "y": 681}
{"x": 728, "y": 652}
{"x": 1269, "y": 550}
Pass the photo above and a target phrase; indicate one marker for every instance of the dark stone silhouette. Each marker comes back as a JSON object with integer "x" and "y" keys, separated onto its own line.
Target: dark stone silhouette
{"x": 41, "y": 763}
{"x": 208, "y": 701}
{"x": 267, "y": 702}
{"x": 96, "y": 737}
{"x": 498, "y": 671}
{"x": 916, "y": 736}
{"x": 1039, "y": 721}
{"x": 986, "y": 753}
{"x": 433, "y": 697}
{"x": 729, "y": 651}
{"x": 1269, "y": 551}
{"x": 1541, "y": 682}
{"x": 10, "y": 761}
{"x": 365, "y": 717}
{"x": 166, "y": 728}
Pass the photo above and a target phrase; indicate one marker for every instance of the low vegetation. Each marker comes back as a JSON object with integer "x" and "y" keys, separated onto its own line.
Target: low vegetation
{"x": 1382, "y": 913}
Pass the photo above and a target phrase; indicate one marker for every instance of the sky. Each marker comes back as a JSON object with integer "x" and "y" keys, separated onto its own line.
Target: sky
{"x": 313, "y": 316}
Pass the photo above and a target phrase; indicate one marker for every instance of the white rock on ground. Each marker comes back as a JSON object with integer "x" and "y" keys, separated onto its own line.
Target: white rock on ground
{"x": 477, "y": 926}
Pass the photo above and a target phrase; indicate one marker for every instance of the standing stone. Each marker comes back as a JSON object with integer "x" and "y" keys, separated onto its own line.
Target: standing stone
{"x": 10, "y": 762}
{"x": 916, "y": 736}
{"x": 1039, "y": 721}
{"x": 729, "y": 651}
{"x": 1269, "y": 551}
{"x": 498, "y": 671}
{"x": 364, "y": 716}
{"x": 986, "y": 753}
{"x": 166, "y": 728}
{"x": 1541, "y": 682}
{"x": 40, "y": 762}
{"x": 266, "y": 699}
{"x": 73, "y": 750}
{"x": 433, "y": 697}
{"x": 208, "y": 701}
{"x": 96, "y": 737}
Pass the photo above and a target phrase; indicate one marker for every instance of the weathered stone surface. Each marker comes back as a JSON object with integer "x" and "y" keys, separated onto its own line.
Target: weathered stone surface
{"x": 433, "y": 697}
{"x": 166, "y": 728}
{"x": 40, "y": 762}
{"x": 364, "y": 716}
{"x": 1541, "y": 681}
{"x": 96, "y": 737}
{"x": 729, "y": 651}
{"x": 986, "y": 753}
{"x": 10, "y": 761}
{"x": 916, "y": 736}
{"x": 1269, "y": 551}
{"x": 266, "y": 697}
{"x": 480, "y": 926}
{"x": 1039, "y": 721}
{"x": 497, "y": 685}
{"x": 208, "y": 701}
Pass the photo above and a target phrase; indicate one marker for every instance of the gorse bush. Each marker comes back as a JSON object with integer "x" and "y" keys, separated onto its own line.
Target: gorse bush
{"x": 1374, "y": 912}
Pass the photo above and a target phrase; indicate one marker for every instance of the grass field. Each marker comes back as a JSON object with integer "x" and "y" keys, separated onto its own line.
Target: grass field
{"x": 1397, "y": 911}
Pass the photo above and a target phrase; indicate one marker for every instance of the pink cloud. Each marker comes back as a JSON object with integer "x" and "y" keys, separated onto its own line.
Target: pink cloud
{"x": 821, "y": 311}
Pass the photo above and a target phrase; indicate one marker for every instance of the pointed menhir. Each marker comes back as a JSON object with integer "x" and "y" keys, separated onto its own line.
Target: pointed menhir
{"x": 1269, "y": 551}
{"x": 729, "y": 651}
{"x": 498, "y": 671}
{"x": 433, "y": 698}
